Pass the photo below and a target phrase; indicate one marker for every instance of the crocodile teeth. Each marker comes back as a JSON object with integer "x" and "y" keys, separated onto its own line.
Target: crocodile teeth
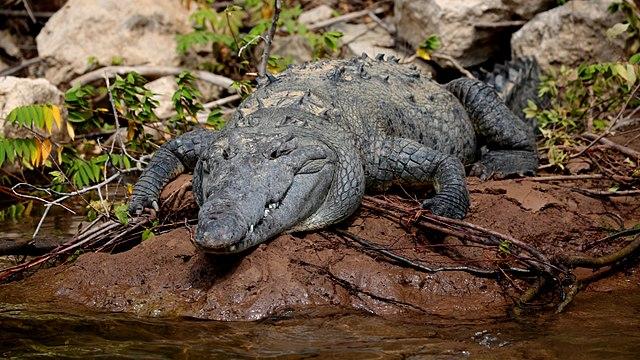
{"x": 251, "y": 229}
{"x": 266, "y": 212}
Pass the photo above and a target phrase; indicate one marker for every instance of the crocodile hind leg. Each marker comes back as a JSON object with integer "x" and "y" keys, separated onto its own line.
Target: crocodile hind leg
{"x": 170, "y": 160}
{"x": 409, "y": 162}
{"x": 510, "y": 141}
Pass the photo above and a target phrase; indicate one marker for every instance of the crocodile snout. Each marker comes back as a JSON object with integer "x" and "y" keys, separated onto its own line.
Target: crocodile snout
{"x": 222, "y": 234}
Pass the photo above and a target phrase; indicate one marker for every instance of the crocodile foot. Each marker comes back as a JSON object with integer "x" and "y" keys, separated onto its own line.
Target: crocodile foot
{"x": 140, "y": 204}
{"x": 454, "y": 207}
{"x": 501, "y": 164}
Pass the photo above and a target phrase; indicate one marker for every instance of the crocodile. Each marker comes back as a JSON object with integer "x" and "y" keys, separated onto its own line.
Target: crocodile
{"x": 300, "y": 151}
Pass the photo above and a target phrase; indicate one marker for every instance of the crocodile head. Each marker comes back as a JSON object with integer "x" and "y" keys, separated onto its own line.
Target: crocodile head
{"x": 252, "y": 186}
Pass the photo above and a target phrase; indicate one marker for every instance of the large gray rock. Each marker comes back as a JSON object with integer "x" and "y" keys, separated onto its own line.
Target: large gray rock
{"x": 16, "y": 91}
{"x": 459, "y": 24}
{"x": 139, "y": 32}
{"x": 570, "y": 35}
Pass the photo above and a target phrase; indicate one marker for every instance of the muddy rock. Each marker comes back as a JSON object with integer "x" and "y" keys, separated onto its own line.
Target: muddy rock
{"x": 458, "y": 23}
{"x": 15, "y": 91}
{"x": 166, "y": 276}
{"x": 138, "y": 32}
{"x": 570, "y": 35}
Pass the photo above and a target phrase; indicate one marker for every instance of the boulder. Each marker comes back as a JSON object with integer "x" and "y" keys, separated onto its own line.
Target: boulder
{"x": 9, "y": 44}
{"x": 163, "y": 88}
{"x": 137, "y": 32}
{"x": 15, "y": 91}
{"x": 527, "y": 9}
{"x": 361, "y": 39}
{"x": 320, "y": 13}
{"x": 570, "y": 35}
{"x": 458, "y": 23}
{"x": 293, "y": 47}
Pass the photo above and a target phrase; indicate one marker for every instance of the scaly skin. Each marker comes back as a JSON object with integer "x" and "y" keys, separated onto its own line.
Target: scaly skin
{"x": 300, "y": 151}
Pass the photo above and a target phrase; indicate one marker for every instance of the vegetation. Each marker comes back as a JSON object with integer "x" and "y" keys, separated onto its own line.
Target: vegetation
{"x": 591, "y": 98}
{"x": 109, "y": 128}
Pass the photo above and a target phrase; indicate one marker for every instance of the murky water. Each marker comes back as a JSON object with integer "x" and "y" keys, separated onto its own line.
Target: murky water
{"x": 602, "y": 326}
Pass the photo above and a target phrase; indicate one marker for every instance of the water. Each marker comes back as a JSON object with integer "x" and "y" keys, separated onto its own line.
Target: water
{"x": 600, "y": 326}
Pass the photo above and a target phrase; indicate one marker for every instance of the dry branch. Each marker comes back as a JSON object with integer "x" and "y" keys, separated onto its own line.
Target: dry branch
{"x": 262, "y": 68}
{"x": 613, "y": 145}
{"x": 152, "y": 71}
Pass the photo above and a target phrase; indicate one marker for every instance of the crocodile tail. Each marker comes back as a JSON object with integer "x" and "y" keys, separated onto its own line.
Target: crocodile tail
{"x": 516, "y": 82}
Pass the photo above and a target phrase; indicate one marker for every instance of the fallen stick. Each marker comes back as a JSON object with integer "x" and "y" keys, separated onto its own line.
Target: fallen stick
{"x": 346, "y": 17}
{"x": 152, "y": 71}
{"x": 611, "y": 144}
{"x": 25, "y": 63}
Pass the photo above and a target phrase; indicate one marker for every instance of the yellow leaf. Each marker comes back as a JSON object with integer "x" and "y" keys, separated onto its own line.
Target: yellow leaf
{"x": 72, "y": 134}
{"x": 104, "y": 110}
{"x": 36, "y": 153}
{"x": 59, "y": 152}
{"x": 55, "y": 110}
{"x": 423, "y": 54}
{"x": 131, "y": 133}
{"x": 45, "y": 148}
{"x": 48, "y": 118}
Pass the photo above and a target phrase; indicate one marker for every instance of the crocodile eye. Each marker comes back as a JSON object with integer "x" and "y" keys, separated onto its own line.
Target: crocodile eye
{"x": 225, "y": 154}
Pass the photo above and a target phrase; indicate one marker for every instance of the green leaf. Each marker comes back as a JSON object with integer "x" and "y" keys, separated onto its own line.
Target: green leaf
{"x": 122, "y": 213}
{"x": 634, "y": 59}
{"x": 147, "y": 234}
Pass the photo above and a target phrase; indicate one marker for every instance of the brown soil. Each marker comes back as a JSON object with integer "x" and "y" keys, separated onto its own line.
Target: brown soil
{"x": 167, "y": 276}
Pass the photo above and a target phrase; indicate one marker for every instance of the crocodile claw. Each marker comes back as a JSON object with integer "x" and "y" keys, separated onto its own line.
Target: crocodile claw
{"x": 442, "y": 206}
{"x": 138, "y": 205}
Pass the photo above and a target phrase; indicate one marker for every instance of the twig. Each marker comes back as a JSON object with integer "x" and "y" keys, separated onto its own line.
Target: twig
{"x": 248, "y": 44}
{"x": 65, "y": 248}
{"x": 346, "y": 17}
{"x": 529, "y": 295}
{"x": 262, "y": 68}
{"x": 613, "y": 123}
{"x": 499, "y": 24}
{"x": 454, "y": 62}
{"x": 410, "y": 263}
{"x": 38, "y": 14}
{"x": 379, "y": 21}
{"x": 467, "y": 231}
{"x": 210, "y": 105}
{"x": 152, "y": 71}
{"x": 65, "y": 196}
{"x": 616, "y": 235}
{"x": 621, "y": 148}
{"x": 605, "y": 193}
{"x": 563, "y": 178}
{"x": 27, "y": 7}
{"x": 25, "y": 63}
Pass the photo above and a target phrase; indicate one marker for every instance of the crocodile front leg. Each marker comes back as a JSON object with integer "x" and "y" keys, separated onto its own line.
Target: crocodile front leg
{"x": 170, "y": 160}
{"x": 409, "y": 162}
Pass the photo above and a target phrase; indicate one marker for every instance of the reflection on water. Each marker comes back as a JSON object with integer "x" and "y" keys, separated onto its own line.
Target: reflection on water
{"x": 57, "y": 227}
{"x": 596, "y": 328}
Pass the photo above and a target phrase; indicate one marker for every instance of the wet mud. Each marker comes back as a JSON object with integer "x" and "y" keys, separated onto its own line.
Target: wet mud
{"x": 166, "y": 276}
